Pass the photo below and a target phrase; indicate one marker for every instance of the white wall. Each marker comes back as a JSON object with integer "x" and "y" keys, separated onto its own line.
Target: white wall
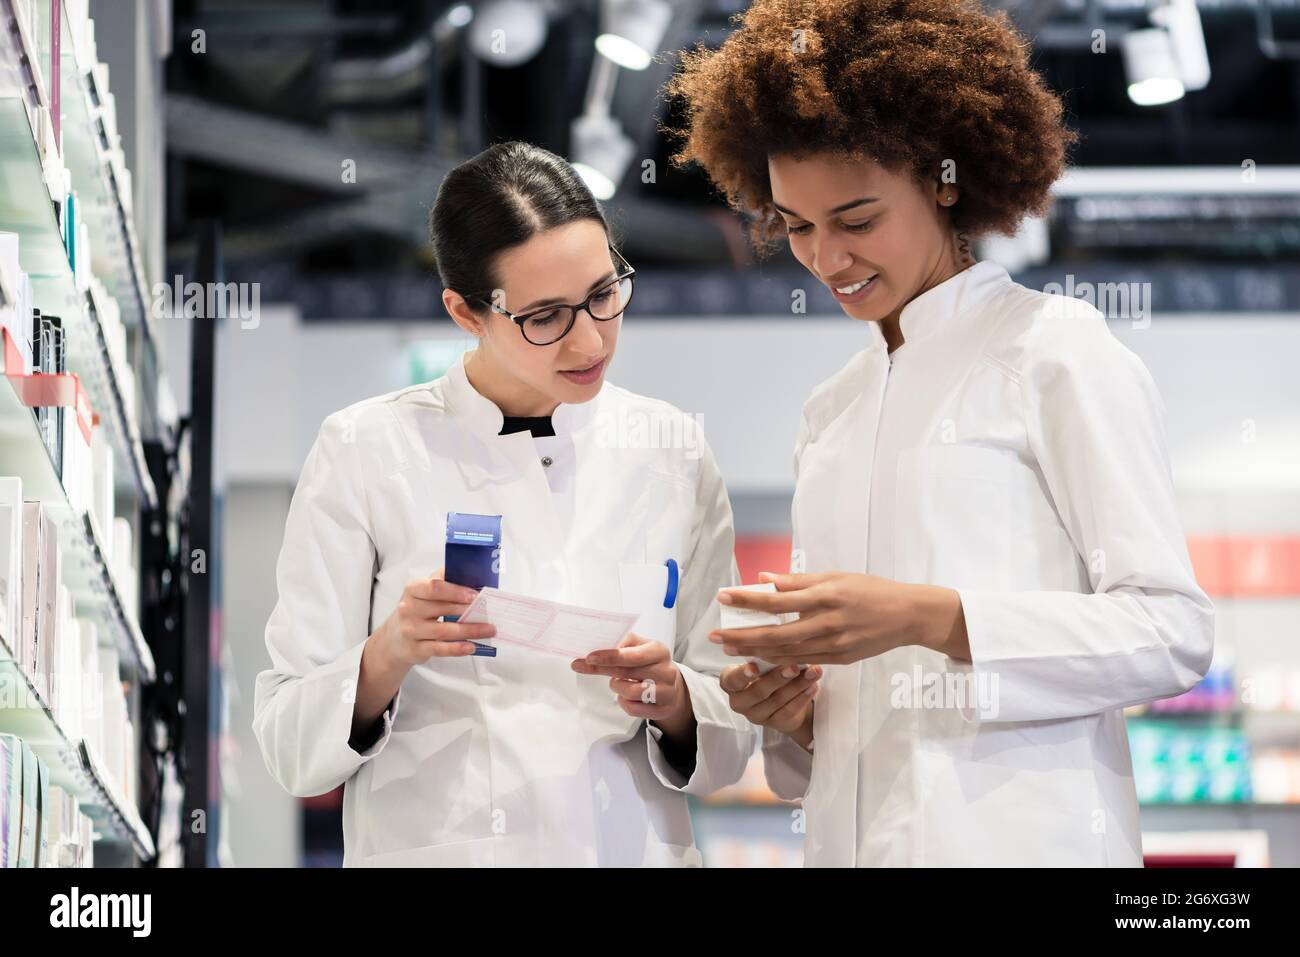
{"x": 1229, "y": 384}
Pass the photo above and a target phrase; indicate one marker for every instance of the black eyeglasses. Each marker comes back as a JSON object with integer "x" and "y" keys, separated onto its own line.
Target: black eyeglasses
{"x": 550, "y": 324}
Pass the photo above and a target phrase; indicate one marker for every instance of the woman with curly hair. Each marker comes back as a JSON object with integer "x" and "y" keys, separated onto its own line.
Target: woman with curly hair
{"x": 988, "y": 560}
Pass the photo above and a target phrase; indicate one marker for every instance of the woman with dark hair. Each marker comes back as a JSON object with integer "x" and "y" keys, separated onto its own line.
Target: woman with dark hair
{"x": 450, "y": 756}
{"x": 988, "y": 557}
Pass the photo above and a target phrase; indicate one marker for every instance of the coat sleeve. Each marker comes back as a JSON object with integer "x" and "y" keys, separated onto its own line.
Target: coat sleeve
{"x": 786, "y": 764}
{"x": 1095, "y": 423}
{"x": 724, "y": 740}
{"x": 303, "y": 704}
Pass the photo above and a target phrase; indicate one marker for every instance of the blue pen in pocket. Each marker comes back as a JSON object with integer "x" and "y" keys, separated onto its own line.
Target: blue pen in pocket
{"x": 472, "y": 558}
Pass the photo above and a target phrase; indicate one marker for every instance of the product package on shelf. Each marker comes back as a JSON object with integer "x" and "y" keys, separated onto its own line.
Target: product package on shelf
{"x": 1271, "y": 687}
{"x": 66, "y": 696}
{"x": 123, "y": 176}
{"x": 123, "y": 558}
{"x": 1277, "y": 775}
{"x": 76, "y": 242}
{"x": 31, "y": 569}
{"x": 99, "y": 72}
{"x": 76, "y": 17}
{"x": 168, "y": 413}
{"x": 42, "y": 815}
{"x": 30, "y": 834}
{"x": 45, "y": 663}
{"x": 61, "y": 811}
{"x": 101, "y": 455}
{"x": 54, "y": 41}
{"x": 62, "y": 412}
{"x": 50, "y": 580}
{"x": 48, "y": 356}
{"x": 34, "y": 24}
{"x": 126, "y": 382}
{"x": 41, "y": 573}
{"x": 78, "y": 467}
{"x": 109, "y": 314}
{"x": 68, "y": 223}
{"x": 87, "y": 842}
{"x": 92, "y": 716}
{"x": 11, "y": 559}
{"x": 16, "y": 306}
{"x": 47, "y": 141}
{"x": 81, "y": 265}
{"x": 118, "y": 744}
{"x": 1177, "y": 764}
{"x": 41, "y": 825}
{"x": 71, "y": 846}
{"x": 11, "y": 799}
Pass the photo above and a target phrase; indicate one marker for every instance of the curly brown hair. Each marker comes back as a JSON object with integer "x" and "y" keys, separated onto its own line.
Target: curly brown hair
{"x": 909, "y": 83}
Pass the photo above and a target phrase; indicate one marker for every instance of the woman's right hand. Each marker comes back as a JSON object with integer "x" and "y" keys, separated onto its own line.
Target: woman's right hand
{"x": 413, "y": 633}
{"x": 781, "y": 700}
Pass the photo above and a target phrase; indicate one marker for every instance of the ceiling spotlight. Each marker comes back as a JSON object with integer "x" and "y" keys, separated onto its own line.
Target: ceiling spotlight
{"x": 601, "y": 153}
{"x": 507, "y": 32}
{"x": 633, "y": 30}
{"x": 1181, "y": 19}
{"x": 1153, "y": 76}
{"x": 460, "y": 15}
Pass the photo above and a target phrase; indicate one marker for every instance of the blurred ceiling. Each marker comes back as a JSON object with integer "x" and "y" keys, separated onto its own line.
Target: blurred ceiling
{"x": 260, "y": 122}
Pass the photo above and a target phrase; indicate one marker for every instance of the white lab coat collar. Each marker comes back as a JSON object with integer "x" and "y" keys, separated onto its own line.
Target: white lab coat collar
{"x": 936, "y": 308}
{"x": 482, "y": 416}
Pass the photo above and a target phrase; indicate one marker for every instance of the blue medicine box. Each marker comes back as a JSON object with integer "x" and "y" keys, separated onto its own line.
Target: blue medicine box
{"x": 473, "y": 556}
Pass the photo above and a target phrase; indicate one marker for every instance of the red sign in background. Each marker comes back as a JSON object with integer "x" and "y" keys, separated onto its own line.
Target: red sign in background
{"x": 1242, "y": 566}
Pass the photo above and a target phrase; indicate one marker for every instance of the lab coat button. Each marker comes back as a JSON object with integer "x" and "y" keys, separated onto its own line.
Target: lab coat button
{"x": 547, "y": 461}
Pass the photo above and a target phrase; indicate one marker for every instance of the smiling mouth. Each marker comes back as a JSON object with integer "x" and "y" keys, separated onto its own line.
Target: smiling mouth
{"x": 853, "y": 287}
{"x": 594, "y": 365}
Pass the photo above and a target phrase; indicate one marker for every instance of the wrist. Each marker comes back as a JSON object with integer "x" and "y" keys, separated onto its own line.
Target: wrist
{"x": 940, "y": 622}
{"x": 382, "y": 652}
{"x": 803, "y": 735}
{"x": 680, "y": 724}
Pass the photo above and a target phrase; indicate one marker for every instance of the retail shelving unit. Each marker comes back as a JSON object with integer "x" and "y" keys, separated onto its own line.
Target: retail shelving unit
{"x": 132, "y": 406}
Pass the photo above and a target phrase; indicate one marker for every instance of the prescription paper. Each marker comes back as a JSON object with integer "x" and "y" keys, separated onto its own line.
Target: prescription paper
{"x": 548, "y": 626}
{"x": 733, "y": 617}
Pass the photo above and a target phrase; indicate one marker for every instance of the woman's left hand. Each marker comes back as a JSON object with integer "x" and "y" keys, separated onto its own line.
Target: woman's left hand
{"x": 645, "y": 679}
{"x": 845, "y": 617}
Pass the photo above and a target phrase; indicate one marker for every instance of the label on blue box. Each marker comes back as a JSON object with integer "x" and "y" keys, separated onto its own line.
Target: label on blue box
{"x": 472, "y": 557}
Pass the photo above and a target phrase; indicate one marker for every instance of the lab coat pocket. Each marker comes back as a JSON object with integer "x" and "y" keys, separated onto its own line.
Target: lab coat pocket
{"x": 958, "y": 511}
{"x": 644, "y": 588}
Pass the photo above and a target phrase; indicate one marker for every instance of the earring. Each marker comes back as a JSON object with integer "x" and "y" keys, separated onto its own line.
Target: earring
{"x": 948, "y": 198}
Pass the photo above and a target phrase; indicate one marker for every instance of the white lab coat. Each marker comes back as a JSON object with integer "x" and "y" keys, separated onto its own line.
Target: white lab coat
{"x": 1013, "y": 450}
{"x": 512, "y": 760}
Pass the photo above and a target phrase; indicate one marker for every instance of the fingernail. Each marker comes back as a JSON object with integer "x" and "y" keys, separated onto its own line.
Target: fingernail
{"x": 810, "y": 690}
{"x": 789, "y": 671}
{"x": 715, "y": 637}
{"x": 751, "y": 671}
{"x": 724, "y": 598}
